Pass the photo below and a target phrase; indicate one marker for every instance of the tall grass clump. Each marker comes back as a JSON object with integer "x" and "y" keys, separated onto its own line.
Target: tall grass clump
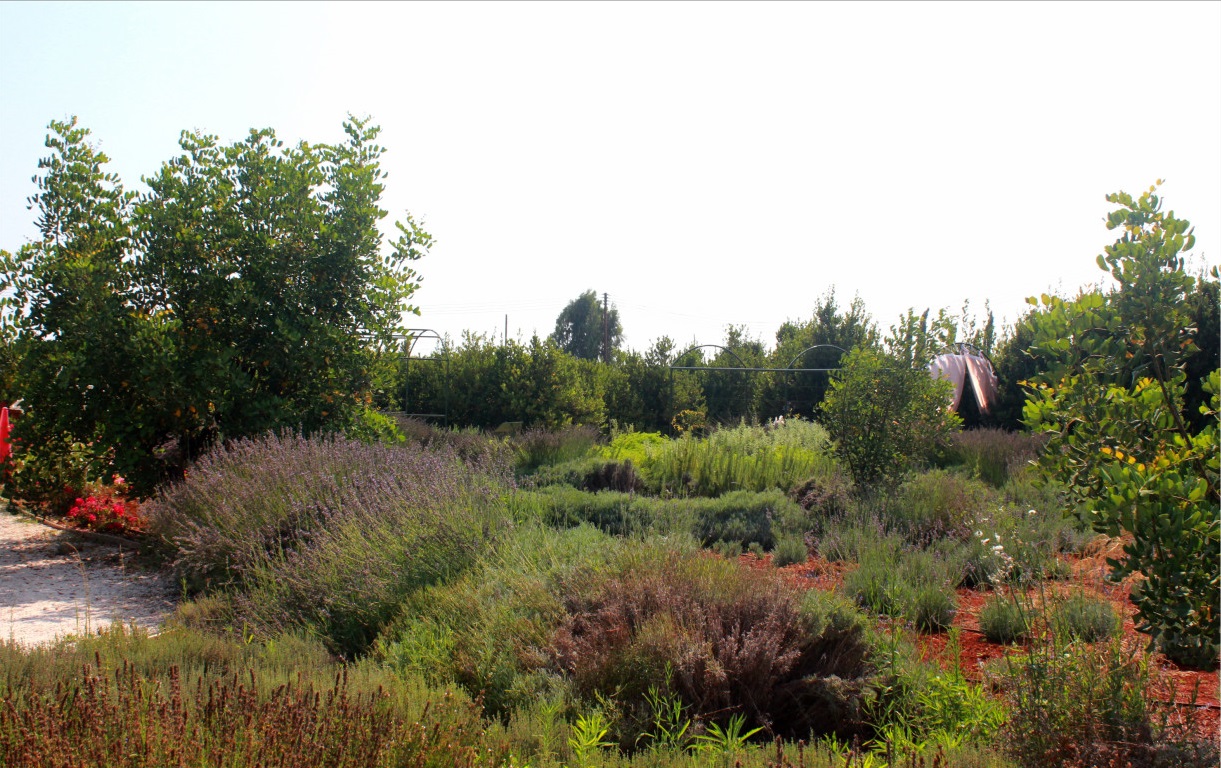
{"x": 537, "y": 447}
{"x": 743, "y": 458}
{"x": 1102, "y": 705}
{"x": 993, "y": 455}
{"x": 325, "y": 533}
{"x": 121, "y": 700}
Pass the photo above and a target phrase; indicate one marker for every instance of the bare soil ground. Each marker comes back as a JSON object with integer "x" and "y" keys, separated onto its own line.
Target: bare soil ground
{"x": 56, "y": 583}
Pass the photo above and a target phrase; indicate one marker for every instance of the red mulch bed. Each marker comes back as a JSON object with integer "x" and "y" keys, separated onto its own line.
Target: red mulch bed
{"x": 1089, "y": 575}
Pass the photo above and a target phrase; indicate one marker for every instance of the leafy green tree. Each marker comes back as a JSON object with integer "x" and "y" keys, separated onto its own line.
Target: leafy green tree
{"x": 885, "y": 416}
{"x": 489, "y": 383}
{"x": 642, "y": 392}
{"x": 1203, "y": 308}
{"x": 240, "y": 294}
{"x": 800, "y": 393}
{"x": 1112, "y": 398}
{"x": 583, "y": 326}
{"x": 1014, "y": 365}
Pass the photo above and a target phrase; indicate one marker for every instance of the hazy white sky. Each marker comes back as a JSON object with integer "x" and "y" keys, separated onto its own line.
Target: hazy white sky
{"x": 703, "y": 163}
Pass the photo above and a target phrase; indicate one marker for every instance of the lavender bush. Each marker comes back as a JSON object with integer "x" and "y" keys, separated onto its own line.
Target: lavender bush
{"x": 327, "y": 533}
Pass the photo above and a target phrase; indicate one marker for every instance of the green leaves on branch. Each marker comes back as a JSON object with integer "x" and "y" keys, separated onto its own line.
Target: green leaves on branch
{"x": 1111, "y": 395}
{"x": 240, "y": 294}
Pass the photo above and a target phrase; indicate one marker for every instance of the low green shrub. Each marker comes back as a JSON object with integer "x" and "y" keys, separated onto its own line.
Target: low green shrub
{"x": 743, "y": 517}
{"x": 747, "y": 517}
{"x": 1003, "y": 620}
{"x": 938, "y": 504}
{"x": 618, "y": 514}
{"x": 790, "y": 550}
{"x": 1085, "y": 618}
{"x": 932, "y": 608}
{"x": 922, "y": 707}
{"x": 916, "y": 585}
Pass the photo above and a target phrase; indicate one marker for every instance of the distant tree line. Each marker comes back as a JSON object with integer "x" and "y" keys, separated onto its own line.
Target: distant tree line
{"x": 482, "y": 382}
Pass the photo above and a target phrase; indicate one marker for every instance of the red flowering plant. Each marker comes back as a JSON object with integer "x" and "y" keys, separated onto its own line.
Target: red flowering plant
{"x": 106, "y": 508}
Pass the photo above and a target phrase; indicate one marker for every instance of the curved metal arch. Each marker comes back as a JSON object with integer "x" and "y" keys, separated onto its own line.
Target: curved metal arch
{"x": 802, "y": 353}
{"x": 718, "y": 346}
{"x": 959, "y": 347}
{"x": 410, "y": 337}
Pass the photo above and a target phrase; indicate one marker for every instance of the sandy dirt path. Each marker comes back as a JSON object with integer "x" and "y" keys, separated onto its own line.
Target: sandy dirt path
{"x": 54, "y": 584}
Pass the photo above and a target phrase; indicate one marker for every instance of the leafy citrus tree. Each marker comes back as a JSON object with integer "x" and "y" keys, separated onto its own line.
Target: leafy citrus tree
{"x": 240, "y": 294}
{"x": 885, "y": 416}
{"x": 1111, "y": 396}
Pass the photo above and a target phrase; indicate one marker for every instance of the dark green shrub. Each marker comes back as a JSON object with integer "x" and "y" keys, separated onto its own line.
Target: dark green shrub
{"x": 614, "y": 476}
{"x": 1002, "y": 620}
{"x": 751, "y": 518}
{"x": 589, "y": 473}
{"x": 53, "y": 473}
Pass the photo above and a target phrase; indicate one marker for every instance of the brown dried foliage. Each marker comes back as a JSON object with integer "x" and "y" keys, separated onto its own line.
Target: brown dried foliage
{"x": 724, "y": 642}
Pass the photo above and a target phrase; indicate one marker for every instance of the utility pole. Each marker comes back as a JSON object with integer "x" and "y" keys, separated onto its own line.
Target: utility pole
{"x": 605, "y": 330}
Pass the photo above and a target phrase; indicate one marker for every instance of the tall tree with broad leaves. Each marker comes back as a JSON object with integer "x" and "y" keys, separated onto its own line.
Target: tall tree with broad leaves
{"x": 241, "y": 293}
{"x": 584, "y": 325}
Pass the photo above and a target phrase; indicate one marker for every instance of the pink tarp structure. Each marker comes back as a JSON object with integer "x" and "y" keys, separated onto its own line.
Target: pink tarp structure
{"x": 963, "y": 367}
